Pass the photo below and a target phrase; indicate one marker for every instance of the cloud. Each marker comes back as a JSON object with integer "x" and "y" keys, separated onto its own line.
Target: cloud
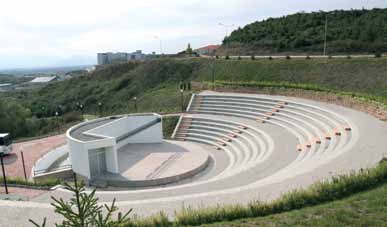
{"x": 61, "y": 29}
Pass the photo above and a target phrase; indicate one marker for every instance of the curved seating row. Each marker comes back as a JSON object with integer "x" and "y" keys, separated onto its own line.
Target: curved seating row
{"x": 318, "y": 130}
{"x": 245, "y": 146}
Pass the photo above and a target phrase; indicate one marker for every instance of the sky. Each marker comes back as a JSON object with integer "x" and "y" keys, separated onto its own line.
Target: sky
{"x": 70, "y": 32}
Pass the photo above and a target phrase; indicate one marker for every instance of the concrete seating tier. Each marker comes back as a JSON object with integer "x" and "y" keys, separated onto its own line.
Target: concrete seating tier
{"x": 318, "y": 130}
{"x": 246, "y": 146}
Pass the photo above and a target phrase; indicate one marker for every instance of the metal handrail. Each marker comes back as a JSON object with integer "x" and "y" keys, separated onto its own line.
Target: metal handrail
{"x": 48, "y": 170}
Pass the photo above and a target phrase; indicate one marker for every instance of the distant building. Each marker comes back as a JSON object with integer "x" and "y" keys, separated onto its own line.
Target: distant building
{"x": 207, "y": 50}
{"x": 44, "y": 79}
{"x": 5, "y": 87}
{"x": 109, "y": 57}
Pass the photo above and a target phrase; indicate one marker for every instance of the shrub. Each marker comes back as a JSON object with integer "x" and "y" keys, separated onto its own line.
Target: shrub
{"x": 83, "y": 210}
{"x": 288, "y": 57}
{"x": 239, "y": 58}
{"x": 46, "y": 184}
{"x": 270, "y": 58}
{"x": 307, "y": 57}
{"x": 216, "y": 56}
{"x": 227, "y": 57}
{"x": 349, "y": 57}
{"x": 378, "y": 55}
{"x": 252, "y": 57}
{"x": 72, "y": 117}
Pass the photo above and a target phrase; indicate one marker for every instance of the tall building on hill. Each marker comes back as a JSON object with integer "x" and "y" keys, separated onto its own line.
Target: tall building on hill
{"x": 109, "y": 57}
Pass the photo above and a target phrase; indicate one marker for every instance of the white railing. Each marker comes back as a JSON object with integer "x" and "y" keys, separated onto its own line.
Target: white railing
{"x": 190, "y": 102}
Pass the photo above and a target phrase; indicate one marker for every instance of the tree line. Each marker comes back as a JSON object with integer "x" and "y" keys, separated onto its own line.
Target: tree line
{"x": 347, "y": 31}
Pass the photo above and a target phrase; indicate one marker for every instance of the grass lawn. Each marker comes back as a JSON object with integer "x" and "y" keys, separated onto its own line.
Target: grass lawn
{"x": 363, "y": 209}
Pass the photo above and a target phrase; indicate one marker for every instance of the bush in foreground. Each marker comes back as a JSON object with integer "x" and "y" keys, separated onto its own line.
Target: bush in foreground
{"x": 83, "y": 210}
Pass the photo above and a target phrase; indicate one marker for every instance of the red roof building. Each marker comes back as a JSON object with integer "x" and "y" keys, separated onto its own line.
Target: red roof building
{"x": 207, "y": 50}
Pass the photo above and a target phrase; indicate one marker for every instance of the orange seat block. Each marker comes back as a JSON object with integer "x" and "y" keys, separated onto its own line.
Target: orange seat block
{"x": 337, "y": 132}
{"x": 221, "y": 143}
{"x": 317, "y": 140}
{"x": 226, "y": 139}
{"x": 237, "y": 131}
{"x": 232, "y": 135}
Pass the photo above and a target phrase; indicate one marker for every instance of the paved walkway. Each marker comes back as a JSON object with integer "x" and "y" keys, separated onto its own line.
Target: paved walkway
{"x": 265, "y": 181}
{"x": 32, "y": 151}
{"x": 22, "y": 193}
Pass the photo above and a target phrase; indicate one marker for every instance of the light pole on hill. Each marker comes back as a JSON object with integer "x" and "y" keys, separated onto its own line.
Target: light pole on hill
{"x": 213, "y": 75}
{"x": 226, "y": 26}
{"x": 135, "y": 103}
{"x": 158, "y": 38}
{"x": 182, "y": 100}
{"x": 4, "y": 176}
{"x": 57, "y": 121}
{"x": 325, "y": 36}
{"x": 100, "y": 109}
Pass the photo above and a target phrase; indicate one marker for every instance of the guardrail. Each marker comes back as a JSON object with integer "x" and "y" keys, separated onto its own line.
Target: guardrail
{"x": 43, "y": 171}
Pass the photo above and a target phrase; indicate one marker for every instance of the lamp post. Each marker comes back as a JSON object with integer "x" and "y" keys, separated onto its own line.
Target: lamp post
{"x": 325, "y": 36}
{"x": 213, "y": 75}
{"x": 156, "y": 37}
{"x": 100, "y": 108}
{"x": 226, "y": 26}
{"x": 3, "y": 169}
{"x": 182, "y": 100}
{"x": 135, "y": 103}
{"x": 57, "y": 121}
{"x": 81, "y": 107}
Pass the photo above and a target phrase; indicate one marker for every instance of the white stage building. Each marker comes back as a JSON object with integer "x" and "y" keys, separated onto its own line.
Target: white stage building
{"x": 94, "y": 144}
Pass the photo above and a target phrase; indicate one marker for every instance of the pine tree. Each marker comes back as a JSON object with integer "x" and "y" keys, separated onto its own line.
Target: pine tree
{"x": 83, "y": 210}
{"x": 189, "y": 49}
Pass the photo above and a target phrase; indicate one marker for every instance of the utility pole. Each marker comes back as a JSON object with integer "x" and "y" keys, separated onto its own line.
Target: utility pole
{"x": 325, "y": 36}
{"x": 156, "y": 37}
{"x": 182, "y": 100}
{"x": 4, "y": 177}
{"x": 226, "y": 26}
{"x": 213, "y": 75}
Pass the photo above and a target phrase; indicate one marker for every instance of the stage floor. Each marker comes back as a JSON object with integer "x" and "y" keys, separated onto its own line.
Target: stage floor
{"x": 143, "y": 165}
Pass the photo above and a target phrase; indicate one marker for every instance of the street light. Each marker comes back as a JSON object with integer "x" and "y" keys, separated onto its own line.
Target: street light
{"x": 135, "y": 103}
{"x": 156, "y": 37}
{"x": 213, "y": 75}
{"x": 81, "y": 107}
{"x": 99, "y": 108}
{"x": 181, "y": 100}
{"x": 3, "y": 169}
{"x": 325, "y": 36}
{"x": 226, "y": 26}
{"x": 57, "y": 121}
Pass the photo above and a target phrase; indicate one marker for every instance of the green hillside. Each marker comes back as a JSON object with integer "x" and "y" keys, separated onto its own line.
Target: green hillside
{"x": 156, "y": 85}
{"x": 353, "y": 31}
{"x": 364, "y": 209}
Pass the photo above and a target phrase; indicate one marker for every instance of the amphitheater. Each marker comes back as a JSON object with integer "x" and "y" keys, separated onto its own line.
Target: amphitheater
{"x": 259, "y": 147}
